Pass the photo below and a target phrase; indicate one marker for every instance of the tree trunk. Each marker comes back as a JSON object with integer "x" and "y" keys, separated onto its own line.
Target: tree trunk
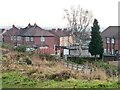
{"x": 101, "y": 56}
{"x": 80, "y": 50}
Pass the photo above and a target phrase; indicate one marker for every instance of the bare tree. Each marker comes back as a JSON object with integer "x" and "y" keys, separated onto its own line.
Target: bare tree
{"x": 78, "y": 21}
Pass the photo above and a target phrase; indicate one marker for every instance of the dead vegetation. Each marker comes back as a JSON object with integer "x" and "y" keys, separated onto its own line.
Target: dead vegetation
{"x": 45, "y": 70}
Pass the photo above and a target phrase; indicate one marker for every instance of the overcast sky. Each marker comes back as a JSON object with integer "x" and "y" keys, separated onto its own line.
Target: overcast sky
{"x": 49, "y": 13}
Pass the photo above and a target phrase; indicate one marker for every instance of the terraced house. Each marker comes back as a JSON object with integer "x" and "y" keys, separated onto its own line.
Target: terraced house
{"x": 34, "y": 36}
{"x": 52, "y": 41}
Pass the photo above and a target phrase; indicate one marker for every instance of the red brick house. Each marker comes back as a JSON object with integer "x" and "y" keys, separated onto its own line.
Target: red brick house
{"x": 10, "y": 35}
{"x": 2, "y": 31}
{"x": 34, "y": 36}
{"x": 111, "y": 40}
{"x": 63, "y": 35}
{"x": 31, "y": 36}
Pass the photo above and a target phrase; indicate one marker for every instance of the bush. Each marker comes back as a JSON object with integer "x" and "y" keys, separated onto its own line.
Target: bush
{"x": 28, "y": 61}
{"x": 25, "y": 60}
{"x": 20, "y": 48}
{"x": 7, "y": 46}
{"x": 79, "y": 60}
{"x": 61, "y": 76}
{"x": 109, "y": 69}
{"x": 47, "y": 57}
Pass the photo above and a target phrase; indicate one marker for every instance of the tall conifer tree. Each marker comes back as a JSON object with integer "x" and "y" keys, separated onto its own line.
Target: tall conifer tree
{"x": 95, "y": 46}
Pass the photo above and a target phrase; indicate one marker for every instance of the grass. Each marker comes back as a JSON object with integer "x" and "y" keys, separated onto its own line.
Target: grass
{"x": 13, "y": 79}
{"x": 41, "y": 75}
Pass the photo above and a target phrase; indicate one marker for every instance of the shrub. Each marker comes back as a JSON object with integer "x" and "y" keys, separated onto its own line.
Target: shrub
{"x": 28, "y": 61}
{"x": 61, "y": 76}
{"x": 109, "y": 69}
{"x": 47, "y": 57}
{"x": 7, "y": 46}
{"x": 20, "y": 48}
{"x": 25, "y": 60}
{"x": 79, "y": 60}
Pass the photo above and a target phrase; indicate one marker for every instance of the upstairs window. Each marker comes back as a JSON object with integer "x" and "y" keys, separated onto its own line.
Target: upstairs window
{"x": 31, "y": 39}
{"x": 18, "y": 38}
{"x": 27, "y": 39}
{"x": 42, "y": 39}
{"x": 107, "y": 40}
{"x": 113, "y": 40}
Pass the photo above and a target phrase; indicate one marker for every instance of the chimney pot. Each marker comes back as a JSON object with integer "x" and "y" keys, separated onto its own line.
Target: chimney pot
{"x": 35, "y": 24}
{"x": 13, "y": 25}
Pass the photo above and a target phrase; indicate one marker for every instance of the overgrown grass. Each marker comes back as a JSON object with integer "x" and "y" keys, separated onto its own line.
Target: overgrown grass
{"x": 14, "y": 79}
{"x": 47, "y": 57}
{"x": 42, "y": 73}
{"x": 8, "y": 46}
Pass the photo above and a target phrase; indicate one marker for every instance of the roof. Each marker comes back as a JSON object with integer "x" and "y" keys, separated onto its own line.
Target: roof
{"x": 30, "y": 30}
{"x": 13, "y": 31}
{"x": 111, "y": 31}
{"x": 24, "y": 30}
{"x": 60, "y": 33}
{"x": 36, "y": 31}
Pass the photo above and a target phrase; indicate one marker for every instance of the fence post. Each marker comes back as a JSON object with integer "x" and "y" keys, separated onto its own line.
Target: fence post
{"x": 77, "y": 67}
{"x": 91, "y": 70}
{"x": 67, "y": 64}
{"x": 72, "y": 66}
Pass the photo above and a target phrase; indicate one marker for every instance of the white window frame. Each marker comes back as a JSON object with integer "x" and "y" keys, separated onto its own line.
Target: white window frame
{"x": 12, "y": 38}
{"x": 31, "y": 38}
{"x": 27, "y": 38}
{"x": 113, "y": 40}
{"x": 42, "y": 39}
{"x": 18, "y": 38}
{"x": 15, "y": 38}
{"x": 107, "y": 40}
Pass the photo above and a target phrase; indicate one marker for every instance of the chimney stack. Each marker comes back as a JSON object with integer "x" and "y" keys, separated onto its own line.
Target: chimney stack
{"x": 53, "y": 29}
{"x": 13, "y": 25}
{"x": 59, "y": 29}
{"x": 35, "y": 24}
{"x": 29, "y": 25}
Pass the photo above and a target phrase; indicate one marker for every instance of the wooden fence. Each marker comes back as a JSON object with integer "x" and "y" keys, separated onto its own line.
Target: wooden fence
{"x": 89, "y": 69}
{"x": 82, "y": 68}
{"x": 45, "y": 51}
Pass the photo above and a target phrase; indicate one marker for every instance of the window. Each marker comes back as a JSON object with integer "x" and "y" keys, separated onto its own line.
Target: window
{"x": 27, "y": 38}
{"x": 31, "y": 39}
{"x": 105, "y": 50}
{"x": 42, "y": 39}
{"x": 18, "y": 38}
{"x": 112, "y": 51}
{"x": 12, "y": 38}
{"x": 108, "y": 40}
{"x": 113, "y": 40}
{"x": 15, "y": 37}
